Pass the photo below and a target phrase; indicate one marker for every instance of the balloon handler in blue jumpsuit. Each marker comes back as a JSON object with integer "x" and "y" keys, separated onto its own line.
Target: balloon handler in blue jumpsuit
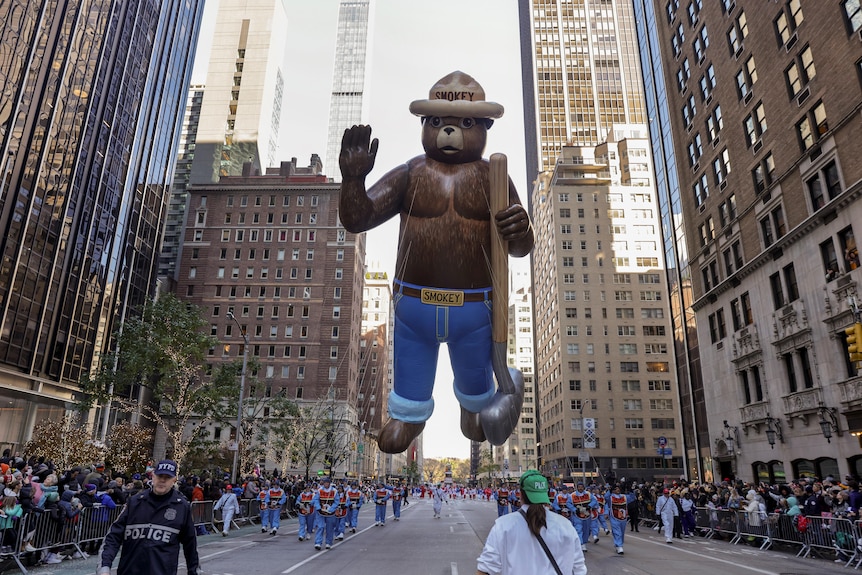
{"x": 597, "y": 515}
{"x": 356, "y": 499}
{"x": 275, "y": 498}
{"x": 325, "y": 503}
{"x": 397, "y": 497}
{"x": 442, "y": 288}
{"x": 381, "y": 496}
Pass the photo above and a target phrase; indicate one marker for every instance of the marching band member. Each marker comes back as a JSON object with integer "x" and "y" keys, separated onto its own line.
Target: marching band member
{"x": 502, "y": 497}
{"x": 325, "y": 503}
{"x": 381, "y": 496}
{"x": 515, "y": 499}
{"x": 618, "y": 517}
{"x": 307, "y": 513}
{"x": 274, "y": 499}
{"x": 355, "y": 499}
{"x": 580, "y": 503}
{"x": 397, "y": 496}
{"x": 264, "y": 510}
{"x": 560, "y": 503}
{"x": 597, "y": 512}
{"x": 341, "y": 512}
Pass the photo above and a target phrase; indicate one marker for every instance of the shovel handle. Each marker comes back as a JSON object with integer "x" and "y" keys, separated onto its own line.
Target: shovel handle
{"x": 499, "y": 200}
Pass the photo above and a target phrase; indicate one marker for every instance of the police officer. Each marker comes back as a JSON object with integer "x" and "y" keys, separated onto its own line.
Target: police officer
{"x": 151, "y": 529}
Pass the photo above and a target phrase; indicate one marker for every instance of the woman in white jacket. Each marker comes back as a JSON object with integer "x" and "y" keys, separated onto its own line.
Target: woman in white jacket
{"x": 229, "y": 506}
{"x": 666, "y": 507}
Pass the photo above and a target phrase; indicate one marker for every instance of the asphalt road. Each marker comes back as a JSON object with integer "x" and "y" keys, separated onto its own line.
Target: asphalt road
{"x": 422, "y": 545}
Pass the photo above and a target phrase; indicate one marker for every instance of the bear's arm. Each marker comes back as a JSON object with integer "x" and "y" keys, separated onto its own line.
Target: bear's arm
{"x": 362, "y": 210}
{"x": 524, "y": 244}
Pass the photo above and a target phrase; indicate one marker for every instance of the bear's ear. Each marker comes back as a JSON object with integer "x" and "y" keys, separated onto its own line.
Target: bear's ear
{"x": 488, "y": 122}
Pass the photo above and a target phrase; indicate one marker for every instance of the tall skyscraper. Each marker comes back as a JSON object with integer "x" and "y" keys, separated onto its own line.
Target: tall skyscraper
{"x": 92, "y": 96}
{"x": 766, "y": 256}
{"x": 240, "y": 114}
{"x": 585, "y": 74}
{"x": 602, "y": 337}
{"x": 348, "y": 76}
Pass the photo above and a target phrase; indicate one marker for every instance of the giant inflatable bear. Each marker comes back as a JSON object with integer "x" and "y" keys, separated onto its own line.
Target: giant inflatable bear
{"x": 442, "y": 287}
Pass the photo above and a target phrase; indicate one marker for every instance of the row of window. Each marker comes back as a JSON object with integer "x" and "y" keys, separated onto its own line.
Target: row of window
{"x": 280, "y": 254}
{"x": 621, "y": 312}
{"x": 610, "y": 197}
{"x": 262, "y": 291}
{"x": 623, "y": 348}
{"x": 263, "y": 273}
{"x": 625, "y": 385}
{"x": 270, "y": 201}
{"x": 622, "y": 330}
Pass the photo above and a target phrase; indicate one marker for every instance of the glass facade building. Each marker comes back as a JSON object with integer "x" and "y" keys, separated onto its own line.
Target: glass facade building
{"x": 92, "y": 95}
{"x": 348, "y": 77}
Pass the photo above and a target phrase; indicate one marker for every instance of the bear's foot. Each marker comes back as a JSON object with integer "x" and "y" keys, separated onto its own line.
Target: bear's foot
{"x": 396, "y": 435}
{"x": 471, "y": 426}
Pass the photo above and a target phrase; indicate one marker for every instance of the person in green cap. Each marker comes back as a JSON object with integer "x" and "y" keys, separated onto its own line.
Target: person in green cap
{"x": 533, "y": 540}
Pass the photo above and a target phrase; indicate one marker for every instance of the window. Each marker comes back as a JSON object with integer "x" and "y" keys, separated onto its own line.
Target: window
{"x": 745, "y": 79}
{"x": 660, "y": 404}
{"x": 714, "y": 123}
{"x": 800, "y": 72}
{"x": 812, "y": 126}
{"x": 772, "y": 226}
{"x": 853, "y": 11}
{"x": 787, "y": 22}
{"x": 733, "y": 258}
{"x": 632, "y": 405}
{"x": 701, "y": 43}
{"x": 829, "y": 175}
{"x": 755, "y": 125}
{"x": 701, "y": 189}
{"x": 763, "y": 173}
{"x": 721, "y": 167}
{"x": 707, "y": 83}
{"x": 635, "y": 443}
{"x": 689, "y": 111}
{"x": 695, "y": 150}
{"x": 736, "y": 35}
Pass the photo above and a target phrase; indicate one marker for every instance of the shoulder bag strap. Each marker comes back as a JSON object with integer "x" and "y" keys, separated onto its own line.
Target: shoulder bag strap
{"x": 544, "y": 546}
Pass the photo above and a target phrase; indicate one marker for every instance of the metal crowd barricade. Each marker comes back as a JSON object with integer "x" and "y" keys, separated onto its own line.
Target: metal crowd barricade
{"x": 784, "y": 531}
{"x": 727, "y": 525}
{"x": 202, "y": 513}
{"x": 752, "y": 526}
{"x": 706, "y": 521}
{"x": 827, "y": 535}
{"x": 648, "y": 516}
{"x": 95, "y": 522}
{"x": 857, "y": 556}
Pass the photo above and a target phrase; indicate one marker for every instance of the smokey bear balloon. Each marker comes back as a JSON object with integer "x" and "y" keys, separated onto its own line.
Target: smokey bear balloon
{"x": 442, "y": 283}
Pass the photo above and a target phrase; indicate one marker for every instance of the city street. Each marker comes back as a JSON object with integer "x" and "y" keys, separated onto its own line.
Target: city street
{"x": 420, "y": 545}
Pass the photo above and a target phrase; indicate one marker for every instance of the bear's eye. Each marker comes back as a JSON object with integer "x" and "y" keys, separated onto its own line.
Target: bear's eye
{"x": 435, "y": 121}
{"x": 467, "y": 123}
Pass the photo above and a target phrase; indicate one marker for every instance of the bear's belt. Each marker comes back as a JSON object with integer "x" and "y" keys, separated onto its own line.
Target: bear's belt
{"x": 444, "y": 297}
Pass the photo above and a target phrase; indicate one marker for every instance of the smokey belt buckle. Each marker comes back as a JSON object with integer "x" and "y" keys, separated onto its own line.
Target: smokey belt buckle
{"x": 441, "y": 297}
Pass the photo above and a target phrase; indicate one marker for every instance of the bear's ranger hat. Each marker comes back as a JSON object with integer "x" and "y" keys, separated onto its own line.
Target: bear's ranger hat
{"x": 458, "y": 95}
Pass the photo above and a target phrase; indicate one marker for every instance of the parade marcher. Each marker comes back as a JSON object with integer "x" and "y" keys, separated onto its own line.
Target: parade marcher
{"x": 151, "y": 529}
{"x": 229, "y": 506}
{"x": 264, "y": 508}
{"x": 560, "y": 503}
{"x": 666, "y": 508}
{"x": 341, "y": 511}
{"x": 597, "y": 513}
{"x": 580, "y": 503}
{"x": 356, "y": 499}
{"x": 325, "y": 503}
{"x": 602, "y": 496}
{"x": 274, "y": 500}
{"x": 513, "y": 546}
{"x": 397, "y": 497}
{"x": 501, "y": 496}
{"x": 381, "y": 496}
{"x": 618, "y": 516}
{"x": 438, "y": 495}
{"x": 515, "y": 499}
{"x": 307, "y": 512}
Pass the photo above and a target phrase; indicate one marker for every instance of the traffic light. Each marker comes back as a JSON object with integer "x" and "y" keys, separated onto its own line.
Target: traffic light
{"x": 854, "y": 342}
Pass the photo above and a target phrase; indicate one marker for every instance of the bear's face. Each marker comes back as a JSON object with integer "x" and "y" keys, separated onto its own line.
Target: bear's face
{"x": 454, "y": 140}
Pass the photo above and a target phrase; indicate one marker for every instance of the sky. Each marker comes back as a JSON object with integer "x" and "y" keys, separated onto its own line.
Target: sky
{"x": 413, "y": 44}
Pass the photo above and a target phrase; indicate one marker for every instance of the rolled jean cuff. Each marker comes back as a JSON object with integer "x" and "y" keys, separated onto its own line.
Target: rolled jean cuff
{"x": 409, "y": 410}
{"x": 474, "y": 403}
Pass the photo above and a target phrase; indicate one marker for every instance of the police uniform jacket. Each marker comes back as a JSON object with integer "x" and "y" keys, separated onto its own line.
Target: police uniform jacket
{"x": 150, "y": 530}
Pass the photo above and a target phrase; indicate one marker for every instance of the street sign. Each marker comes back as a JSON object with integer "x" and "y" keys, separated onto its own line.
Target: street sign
{"x": 232, "y": 446}
{"x": 662, "y": 441}
{"x": 583, "y": 456}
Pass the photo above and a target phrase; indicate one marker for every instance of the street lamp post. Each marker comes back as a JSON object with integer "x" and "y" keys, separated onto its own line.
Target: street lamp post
{"x": 231, "y": 316}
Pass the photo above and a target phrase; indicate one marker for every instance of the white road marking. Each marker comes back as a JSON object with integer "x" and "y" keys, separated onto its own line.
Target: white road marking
{"x": 702, "y": 556}
{"x": 454, "y": 567}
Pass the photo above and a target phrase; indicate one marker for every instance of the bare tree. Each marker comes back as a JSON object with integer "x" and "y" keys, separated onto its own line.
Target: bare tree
{"x": 322, "y": 433}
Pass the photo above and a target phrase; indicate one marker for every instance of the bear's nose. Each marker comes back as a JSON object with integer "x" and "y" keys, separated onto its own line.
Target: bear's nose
{"x": 448, "y": 130}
